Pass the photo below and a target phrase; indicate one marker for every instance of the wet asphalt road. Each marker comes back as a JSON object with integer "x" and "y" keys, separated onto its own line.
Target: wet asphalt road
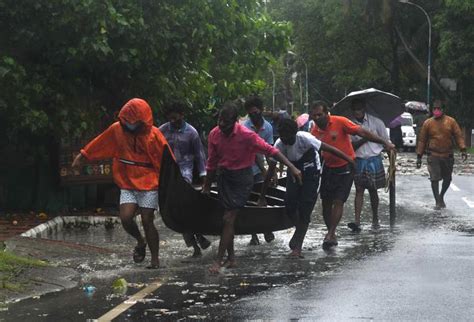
{"x": 420, "y": 269}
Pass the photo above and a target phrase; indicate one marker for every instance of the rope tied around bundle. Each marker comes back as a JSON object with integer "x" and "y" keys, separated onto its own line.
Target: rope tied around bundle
{"x": 392, "y": 168}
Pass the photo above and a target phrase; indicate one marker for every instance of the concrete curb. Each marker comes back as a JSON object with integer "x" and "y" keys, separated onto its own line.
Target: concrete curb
{"x": 58, "y": 223}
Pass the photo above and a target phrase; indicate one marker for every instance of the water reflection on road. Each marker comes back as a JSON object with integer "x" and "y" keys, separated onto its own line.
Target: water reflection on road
{"x": 189, "y": 291}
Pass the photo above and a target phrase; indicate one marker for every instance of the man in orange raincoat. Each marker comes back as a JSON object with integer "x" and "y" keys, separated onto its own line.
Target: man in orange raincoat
{"x": 136, "y": 147}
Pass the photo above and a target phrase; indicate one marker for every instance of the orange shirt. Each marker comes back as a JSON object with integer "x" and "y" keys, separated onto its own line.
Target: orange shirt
{"x": 337, "y": 133}
{"x": 136, "y": 156}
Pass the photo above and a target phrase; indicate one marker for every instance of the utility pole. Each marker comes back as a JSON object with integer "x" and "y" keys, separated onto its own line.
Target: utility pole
{"x": 428, "y": 81}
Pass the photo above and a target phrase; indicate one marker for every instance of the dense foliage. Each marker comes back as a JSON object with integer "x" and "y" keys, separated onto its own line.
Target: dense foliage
{"x": 66, "y": 66}
{"x": 355, "y": 44}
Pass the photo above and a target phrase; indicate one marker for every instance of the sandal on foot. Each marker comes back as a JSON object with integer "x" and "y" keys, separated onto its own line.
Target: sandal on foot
{"x": 269, "y": 237}
{"x": 328, "y": 244}
{"x": 139, "y": 254}
{"x": 153, "y": 266}
{"x": 354, "y": 227}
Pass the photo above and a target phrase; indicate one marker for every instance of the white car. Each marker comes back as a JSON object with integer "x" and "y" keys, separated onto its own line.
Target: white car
{"x": 408, "y": 132}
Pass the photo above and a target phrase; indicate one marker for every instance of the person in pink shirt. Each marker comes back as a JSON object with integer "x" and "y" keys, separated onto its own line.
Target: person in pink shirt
{"x": 231, "y": 154}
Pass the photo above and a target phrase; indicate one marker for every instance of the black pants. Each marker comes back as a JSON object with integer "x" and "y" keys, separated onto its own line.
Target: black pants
{"x": 300, "y": 201}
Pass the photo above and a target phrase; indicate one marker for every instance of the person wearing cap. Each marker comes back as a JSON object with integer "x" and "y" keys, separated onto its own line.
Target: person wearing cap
{"x": 436, "y": 138}
{"x": 135, "y": 147}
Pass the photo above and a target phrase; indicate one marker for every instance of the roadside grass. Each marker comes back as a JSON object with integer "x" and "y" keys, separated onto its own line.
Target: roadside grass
{"x": 11, "y": 266}
{"x": 470, "y": 150}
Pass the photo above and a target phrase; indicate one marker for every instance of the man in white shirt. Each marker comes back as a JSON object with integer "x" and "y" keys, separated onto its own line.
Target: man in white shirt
{"x": 369, "y": 170}
{"x": 302, "y": 149}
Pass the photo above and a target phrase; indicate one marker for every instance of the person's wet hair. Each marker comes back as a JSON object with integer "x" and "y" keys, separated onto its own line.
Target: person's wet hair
{"x": 175, "y": 107}
{"x": 252, "y": 101}
{"x": 287, "y": 126}
{"x": 323, "y": 104}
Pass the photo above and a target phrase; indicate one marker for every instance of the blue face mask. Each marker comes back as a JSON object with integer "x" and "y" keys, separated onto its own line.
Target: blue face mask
{"x": 132, "y": 126}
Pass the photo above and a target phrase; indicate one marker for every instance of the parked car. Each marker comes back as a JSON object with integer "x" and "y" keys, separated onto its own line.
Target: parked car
{"x": 408, "y": 132}
{"x": 403, "y": 124}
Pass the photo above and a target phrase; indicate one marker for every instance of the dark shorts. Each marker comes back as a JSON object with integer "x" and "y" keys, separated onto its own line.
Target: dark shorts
{"x": 234, "y": 187}
{"x": 300, "y": 199}
{"x": 336, "y": 183}
{"x": 440, "y": 168}
{"x": 370, "y": 173}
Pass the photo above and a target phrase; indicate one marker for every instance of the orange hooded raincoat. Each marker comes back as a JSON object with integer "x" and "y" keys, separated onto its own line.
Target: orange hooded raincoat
{"x": 136, "y": 155}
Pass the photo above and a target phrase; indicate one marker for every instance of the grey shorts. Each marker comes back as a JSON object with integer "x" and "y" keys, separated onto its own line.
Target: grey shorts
{"x": 440, "y": 168}
{"x": 144, "y": 199}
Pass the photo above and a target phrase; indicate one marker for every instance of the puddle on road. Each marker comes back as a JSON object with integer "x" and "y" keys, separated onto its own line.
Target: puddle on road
{"x": 190, "y": 292}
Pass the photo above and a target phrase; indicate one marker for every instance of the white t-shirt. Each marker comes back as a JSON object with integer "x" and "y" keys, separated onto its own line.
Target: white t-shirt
{"x": 375, "y": 125}
{"x": 304, "y": 141}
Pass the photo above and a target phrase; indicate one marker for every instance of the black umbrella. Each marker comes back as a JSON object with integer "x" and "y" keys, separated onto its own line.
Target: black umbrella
{"x": 385, "y": 106}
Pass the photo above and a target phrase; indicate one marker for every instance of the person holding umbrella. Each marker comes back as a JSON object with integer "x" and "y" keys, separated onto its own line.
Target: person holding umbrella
{"x": 369, "y": 171}
{"x": 337, "y": 177}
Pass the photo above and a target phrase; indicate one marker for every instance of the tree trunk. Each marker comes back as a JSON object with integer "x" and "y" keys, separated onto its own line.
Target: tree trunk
{"x": 390, "y": 16}
{"x": 395, "y": 70}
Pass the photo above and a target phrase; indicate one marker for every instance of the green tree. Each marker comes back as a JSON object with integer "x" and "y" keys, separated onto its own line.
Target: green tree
{"x": 455, "y": 24}
{"x": 67, "y": 66}
{"x": 345, "y": 45}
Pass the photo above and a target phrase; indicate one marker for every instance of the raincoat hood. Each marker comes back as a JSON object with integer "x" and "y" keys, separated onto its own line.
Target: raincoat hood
{"x": 136, "y": 110}
{"x": 136, "y": 155}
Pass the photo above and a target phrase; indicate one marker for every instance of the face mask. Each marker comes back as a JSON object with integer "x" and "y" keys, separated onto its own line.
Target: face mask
{"x": 437, "y": 112}
{"x": 176, "y": 124}
{"x": 322, "y": 122}
{"x": 226, "y": 127}
{"x": 255, "y": 117}
{"x": 131, "y": 127}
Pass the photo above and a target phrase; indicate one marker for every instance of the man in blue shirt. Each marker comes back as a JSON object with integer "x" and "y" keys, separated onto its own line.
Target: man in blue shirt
{"x": 187, "y": 147}
{"x": 254, "y": 107}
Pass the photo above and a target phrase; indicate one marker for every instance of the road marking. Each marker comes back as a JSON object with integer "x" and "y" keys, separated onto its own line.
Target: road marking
{"x": 468, "y": 202}
{"x": 454, "y": 187}
{"x": 131, "y": 301}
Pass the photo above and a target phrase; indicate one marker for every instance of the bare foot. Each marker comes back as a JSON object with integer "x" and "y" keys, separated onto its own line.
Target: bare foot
{"x": 442, "y": 204}
{"x": 215, "y": 268}
{"x": 296, "y": 253}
